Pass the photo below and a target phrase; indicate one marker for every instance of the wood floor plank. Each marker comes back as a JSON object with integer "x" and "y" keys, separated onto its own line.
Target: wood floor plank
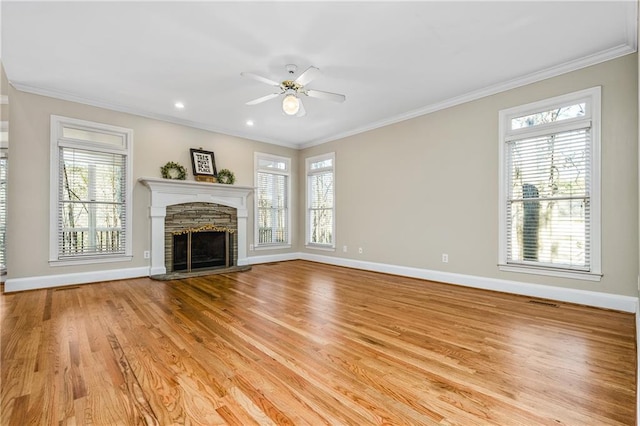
{"x": 304, "y": 343}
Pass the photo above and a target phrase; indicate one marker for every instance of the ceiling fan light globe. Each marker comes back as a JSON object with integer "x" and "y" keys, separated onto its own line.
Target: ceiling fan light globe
{"x": 290, "y": 105}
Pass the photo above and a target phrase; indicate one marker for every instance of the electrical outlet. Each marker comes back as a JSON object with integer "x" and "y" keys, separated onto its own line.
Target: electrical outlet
{"x": 445, "y": 258}
{"x": 251, "y": 247}
{"x": 344, "y": 249}
{"x": 360, "y": 250}
{"x": 147, "y": 254}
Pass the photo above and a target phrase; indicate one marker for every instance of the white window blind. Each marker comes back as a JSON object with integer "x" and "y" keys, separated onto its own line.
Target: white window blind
{"x": 273, "y": 174}
{"x": 320, "y": 200}
{"x": 3, "y": 210}
{"x": 273, "y": 226}
{"x": 548, "y": 204}
{"x": 550, "y": 187}
{"x": 92, "y": 214}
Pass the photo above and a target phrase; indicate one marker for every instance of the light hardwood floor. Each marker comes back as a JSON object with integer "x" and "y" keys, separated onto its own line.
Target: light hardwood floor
{"x": 305, "y": 343}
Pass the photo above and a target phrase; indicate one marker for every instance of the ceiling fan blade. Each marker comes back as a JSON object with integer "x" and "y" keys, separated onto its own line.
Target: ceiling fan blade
{"x": 306, "y": 77}
{"x": 328, "y": 96}
{"x": 260, "y": 78}
{"x": 301, "y": 112}
{"x": 263, "y": 99}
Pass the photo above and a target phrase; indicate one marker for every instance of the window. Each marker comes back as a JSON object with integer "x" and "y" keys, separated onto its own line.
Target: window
{"x": 550, "y": 187}
{"x": 273, "y": 175}
{"x": 90, "y": 191}
{"x": 320, "y": 201}
{"x": 4, "y": 162}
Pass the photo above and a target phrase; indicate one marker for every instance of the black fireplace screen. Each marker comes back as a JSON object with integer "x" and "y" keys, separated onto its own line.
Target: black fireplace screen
{"x": 201, "y": 250}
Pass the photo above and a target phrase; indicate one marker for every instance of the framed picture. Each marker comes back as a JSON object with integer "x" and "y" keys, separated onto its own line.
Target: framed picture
{"x": 204, "y": 164}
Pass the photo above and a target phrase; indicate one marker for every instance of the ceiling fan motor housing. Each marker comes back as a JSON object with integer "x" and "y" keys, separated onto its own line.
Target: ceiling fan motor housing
{"x": 291, "y": 85}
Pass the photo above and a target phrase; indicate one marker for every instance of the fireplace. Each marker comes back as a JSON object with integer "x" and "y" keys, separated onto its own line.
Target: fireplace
{"x": 202, "y": 250}
{"x": 200, "y": 236}
{"x": 177, "y": 206}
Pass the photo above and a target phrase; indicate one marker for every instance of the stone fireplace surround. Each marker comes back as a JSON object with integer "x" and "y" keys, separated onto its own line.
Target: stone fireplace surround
{"x": 167, "y": 192}
{"x": 189, "y": 216}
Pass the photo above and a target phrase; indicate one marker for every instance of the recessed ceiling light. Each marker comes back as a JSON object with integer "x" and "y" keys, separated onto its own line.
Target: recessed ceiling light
{"x": 250, "y": 123}
{"x": 179, "y": 105}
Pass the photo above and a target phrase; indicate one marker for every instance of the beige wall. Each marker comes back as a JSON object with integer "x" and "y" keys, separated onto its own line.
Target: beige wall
{"x": 155, "y": 143}
{"x": 4, "y": 91}
{"x": 408, "y": 192}
{"x": 405, "y": 193}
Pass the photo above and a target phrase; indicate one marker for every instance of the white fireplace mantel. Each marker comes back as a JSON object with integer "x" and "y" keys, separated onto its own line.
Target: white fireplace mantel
{"x": 168, "y": 192}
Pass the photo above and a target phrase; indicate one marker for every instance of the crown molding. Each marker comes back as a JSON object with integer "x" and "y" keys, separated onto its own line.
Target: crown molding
{"x": 624, "y": 49}
{"x": 587, "y": 61}
{"x": 65, "y": 96}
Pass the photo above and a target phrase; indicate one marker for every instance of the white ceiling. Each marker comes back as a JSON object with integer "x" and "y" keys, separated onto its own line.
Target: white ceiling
{"x": 392, "y": 60}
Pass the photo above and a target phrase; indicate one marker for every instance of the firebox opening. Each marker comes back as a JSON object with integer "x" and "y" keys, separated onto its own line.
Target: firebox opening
{"x": 203, "y": 249}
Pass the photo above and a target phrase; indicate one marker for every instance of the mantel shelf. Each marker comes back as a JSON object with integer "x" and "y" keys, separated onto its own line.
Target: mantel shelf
{"x": 161, "y": 184}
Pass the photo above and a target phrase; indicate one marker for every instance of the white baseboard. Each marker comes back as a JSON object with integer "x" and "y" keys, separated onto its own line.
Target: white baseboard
{"x": 157, "y": 271}
{"x": 48, "y": 281}
{"x": 254, "y": 260}
{"x": 582, "y": 297}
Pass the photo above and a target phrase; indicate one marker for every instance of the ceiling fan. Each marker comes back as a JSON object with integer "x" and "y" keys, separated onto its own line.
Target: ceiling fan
{"x": 293, "y": 89}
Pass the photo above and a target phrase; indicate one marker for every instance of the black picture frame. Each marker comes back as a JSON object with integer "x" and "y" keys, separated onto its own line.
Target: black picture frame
{"x": 203, "y": 163}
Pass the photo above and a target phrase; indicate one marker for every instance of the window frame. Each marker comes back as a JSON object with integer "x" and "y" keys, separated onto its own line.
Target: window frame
{"x": 308, "y": 173}
{"x": 592, "y": 99}
{"x": 287, "y": 173}
{"x": 58, "y": 124}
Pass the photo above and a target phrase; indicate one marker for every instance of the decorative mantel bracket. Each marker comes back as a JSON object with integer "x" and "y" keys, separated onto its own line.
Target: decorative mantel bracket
{"x": 167, "y": 192}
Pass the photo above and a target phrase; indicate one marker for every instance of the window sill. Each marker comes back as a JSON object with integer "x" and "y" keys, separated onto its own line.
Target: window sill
{"x": 576, "y": 275}
{"x": 88, "y": 260}
{"x": 320, "y": 247}
{"x": 271, "y": 247}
